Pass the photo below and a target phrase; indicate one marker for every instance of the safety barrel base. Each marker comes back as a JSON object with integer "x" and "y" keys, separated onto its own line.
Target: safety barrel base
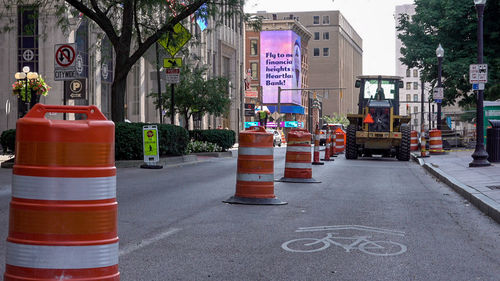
{"x": 297, "y": 180}
{"x": 254, "y": 201}
{"x": 146, "y": 166}
{"x": 318, "y": 163}
{"x": 328, "y": 159}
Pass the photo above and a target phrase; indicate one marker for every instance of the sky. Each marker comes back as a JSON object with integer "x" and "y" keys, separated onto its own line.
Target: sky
{"x": 373, "y": 20}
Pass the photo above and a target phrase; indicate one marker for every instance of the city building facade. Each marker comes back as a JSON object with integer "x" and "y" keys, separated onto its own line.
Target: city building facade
{"x": 335, "y": 53}
{"x": 35, "y": 38}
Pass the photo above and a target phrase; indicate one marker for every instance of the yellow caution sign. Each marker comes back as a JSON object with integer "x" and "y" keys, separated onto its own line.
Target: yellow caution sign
{"x": 172, "y": 62}
{"x": 150, "y": 140}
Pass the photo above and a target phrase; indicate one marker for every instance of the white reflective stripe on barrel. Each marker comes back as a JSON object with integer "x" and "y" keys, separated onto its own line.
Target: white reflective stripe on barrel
{"x": 255, "y": 177}
{"x": 298, "y": 148}
{"x": 54, "y": 188}
{"x": 62, "y": 257}
{"x": 316, "y": 148}
{"x": 435, "y": 139}
{"x": 295, "y": 165}
{"x": 255, "y": 150}
{"x": 436, "y": 146}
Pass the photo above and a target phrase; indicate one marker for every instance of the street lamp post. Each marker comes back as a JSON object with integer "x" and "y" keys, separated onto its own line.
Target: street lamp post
{"x": 440, "y": 55}
{"x": 23, "y": 76}
{"x": 480, "y": 155}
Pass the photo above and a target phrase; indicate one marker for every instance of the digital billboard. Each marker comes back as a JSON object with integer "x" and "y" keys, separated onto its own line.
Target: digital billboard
{"x": 280, "y": 66}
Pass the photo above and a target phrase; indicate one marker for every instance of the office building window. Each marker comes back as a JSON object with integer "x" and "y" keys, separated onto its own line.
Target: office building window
{"x": 408, "y": 97}
{"x": 316, "y": 35}
{"x": 316, "y": 52}
{"x": 326, "y": 35}
{"x": 27, "y": 37}
{"x": 326, "y": 52}
{"x": 315, "y": 19}
{"x": 415, "y": 85}
{"x": 253, "y": 47}
{"x": 415, "y": 97}
{"x": 254, "y": 70}
{"x": 407, "y": 72}
{"x": 415, "y": 73}
{"x": 415, "y": 109}
{"x": 408, "y": 85}
{"x": 326, "y": 19}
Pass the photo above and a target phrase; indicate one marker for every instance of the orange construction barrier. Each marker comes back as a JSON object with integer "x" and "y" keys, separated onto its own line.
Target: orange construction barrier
{"x": 63, "y": 210}
{"x": 316, "y": 147}
{"x": 255, "y": 173}
{"x": 339, "y": 142}
{"x": 423, "y": 151}
{"x": 435, "y": 142}
{"x": 414, "y": 141}
{"x": 328, "y": 146}
{"x": 298, "y": 166}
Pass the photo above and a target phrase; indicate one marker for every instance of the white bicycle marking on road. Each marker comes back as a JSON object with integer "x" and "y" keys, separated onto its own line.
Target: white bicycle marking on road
{"x": 363, "y": 243}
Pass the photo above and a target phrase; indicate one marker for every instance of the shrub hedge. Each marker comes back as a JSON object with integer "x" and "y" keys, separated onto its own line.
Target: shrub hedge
{"x": 8, "y": 140}
{"x": 128, "y": 140}
{"x": 223, "y": 138}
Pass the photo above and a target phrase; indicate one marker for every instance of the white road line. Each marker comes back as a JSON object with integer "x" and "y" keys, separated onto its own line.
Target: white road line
{"x": 146, "y": 242}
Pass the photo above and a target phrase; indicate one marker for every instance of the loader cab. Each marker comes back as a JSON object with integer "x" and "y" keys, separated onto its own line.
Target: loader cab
{"x": 379, "y": 90}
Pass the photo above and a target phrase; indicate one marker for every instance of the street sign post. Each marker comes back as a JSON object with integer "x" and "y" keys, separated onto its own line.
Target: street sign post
{"x": 75, "y": 89}
{"x": 150, "y": 144}
{"x": 64, "y": 62}
{"x": 173, "y": 75}
{"x": 438, "y": 94}
{"x": 478, "y": 73}
{"x": 172, "y": 62}
{"x": 175, "y": 39}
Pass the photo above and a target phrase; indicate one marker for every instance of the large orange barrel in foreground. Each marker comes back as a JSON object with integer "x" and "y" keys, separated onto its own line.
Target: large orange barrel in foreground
{"x": 298, "y": 166}
{"x": 63, "y": 212}
{"x": 339, "y": 141}
{"x": 255, "y": 172}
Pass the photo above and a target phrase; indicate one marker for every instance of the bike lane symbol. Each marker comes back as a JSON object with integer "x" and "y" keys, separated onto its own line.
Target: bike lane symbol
{"x": 363, "y": 243}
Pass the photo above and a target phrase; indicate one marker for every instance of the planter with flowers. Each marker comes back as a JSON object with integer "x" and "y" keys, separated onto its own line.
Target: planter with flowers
{"x": 29, "y": 96}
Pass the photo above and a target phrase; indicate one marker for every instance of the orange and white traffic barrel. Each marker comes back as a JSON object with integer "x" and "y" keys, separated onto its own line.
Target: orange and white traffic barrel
{"x": 63, "y": 210}
{"x": 339, "y": 142}
{"x": 298, "y": 166}
{"x": 414, "y": 141}
{"x": 316, "y": 147}
{"x": 255, "y": 171}
{"x": 435, "y": 142}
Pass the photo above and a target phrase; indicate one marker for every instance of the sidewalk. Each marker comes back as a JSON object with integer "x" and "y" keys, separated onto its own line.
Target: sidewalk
{"x": 481, "y": 186}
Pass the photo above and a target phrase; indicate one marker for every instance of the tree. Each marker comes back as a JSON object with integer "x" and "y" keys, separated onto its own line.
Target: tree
{"x": 132, "y": 26}
{"x": 195, "y": 94}
{"x": 453, "y": 23}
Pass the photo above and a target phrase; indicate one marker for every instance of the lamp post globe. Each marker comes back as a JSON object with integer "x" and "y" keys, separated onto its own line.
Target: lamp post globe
{"x": 480, "y": 156}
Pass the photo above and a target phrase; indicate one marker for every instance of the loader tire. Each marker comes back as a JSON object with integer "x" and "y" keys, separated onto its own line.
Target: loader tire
{"x": 351, "y": 147}
{"x": 404, "y": 148}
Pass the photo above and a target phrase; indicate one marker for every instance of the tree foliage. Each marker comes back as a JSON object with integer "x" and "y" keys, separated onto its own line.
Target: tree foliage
{"x": 453, "y": 24}
{"x": 197, "y": 95}
{"x": 132, "y": 26}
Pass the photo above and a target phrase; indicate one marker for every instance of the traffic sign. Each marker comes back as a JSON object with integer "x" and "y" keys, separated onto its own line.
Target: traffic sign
{"x": 65, "y": 55}
{"x": 438, "y": 94}
{"x": 175, "y": 39}
{"x": 64, "y": 62}
{"x": 479, "y": 86}
{"x": 172, "y": 62}
{"x": 173, "y": 75}
{"x": 478, "y": 73}
{"x": 75, "y": 89}
{"x": 150, "y": 141}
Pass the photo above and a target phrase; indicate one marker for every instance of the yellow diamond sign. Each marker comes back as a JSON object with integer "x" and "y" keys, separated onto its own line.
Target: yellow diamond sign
{"x": 175, "y": 40}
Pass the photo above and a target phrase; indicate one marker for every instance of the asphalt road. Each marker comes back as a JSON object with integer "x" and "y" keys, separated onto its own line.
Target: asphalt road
{"x": 369, "y": 219}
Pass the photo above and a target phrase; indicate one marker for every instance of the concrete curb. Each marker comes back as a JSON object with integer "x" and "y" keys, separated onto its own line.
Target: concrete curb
{"x": 478, "y": 199}
{"x": 164, "y": 161}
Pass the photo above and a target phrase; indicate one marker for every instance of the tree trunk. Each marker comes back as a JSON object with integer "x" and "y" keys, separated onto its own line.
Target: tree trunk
{"x": 118, "y": 88}
{"x": 186, "y": 117}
